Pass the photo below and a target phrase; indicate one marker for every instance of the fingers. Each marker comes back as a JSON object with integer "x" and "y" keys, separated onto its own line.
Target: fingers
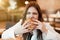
{"x": 26, "y": 26}
{"x": 26, "y": 30}
{"x": 34, "y": 23}
{"x": 37, "y": 21}
{"x": 25, "y": 23}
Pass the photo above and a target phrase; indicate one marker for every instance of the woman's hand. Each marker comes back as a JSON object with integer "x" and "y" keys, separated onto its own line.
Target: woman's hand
{"x": 29, "y": 24}
{"x": 40, "y": 26}
{"x": 44, "y": 29}
{"x": 25, "y": 27}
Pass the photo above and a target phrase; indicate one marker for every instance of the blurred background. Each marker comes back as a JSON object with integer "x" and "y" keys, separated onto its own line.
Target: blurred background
{"x": 11, "y": 11}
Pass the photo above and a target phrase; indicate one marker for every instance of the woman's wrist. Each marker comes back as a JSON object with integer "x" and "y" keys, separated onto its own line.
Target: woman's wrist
{"x": 44, "y": 29}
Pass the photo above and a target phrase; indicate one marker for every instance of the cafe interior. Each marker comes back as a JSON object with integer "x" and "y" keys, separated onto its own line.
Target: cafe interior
{"x": 11, "y": 11}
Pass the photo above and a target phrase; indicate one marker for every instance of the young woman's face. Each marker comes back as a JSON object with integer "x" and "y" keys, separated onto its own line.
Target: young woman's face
{"x": 32, "y": 13}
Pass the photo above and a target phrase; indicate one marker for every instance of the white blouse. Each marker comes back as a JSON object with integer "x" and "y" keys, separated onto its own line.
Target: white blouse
{"x": 16, "y": 29}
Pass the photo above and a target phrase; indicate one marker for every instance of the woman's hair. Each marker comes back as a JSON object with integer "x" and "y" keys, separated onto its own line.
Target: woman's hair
{"x": 35, "y": 5}
{"x": 40, "y": 18}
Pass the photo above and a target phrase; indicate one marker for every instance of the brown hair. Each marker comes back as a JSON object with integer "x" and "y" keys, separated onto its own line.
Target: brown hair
{"x": 35, "y": 5}
{"x": 40, "y": 18}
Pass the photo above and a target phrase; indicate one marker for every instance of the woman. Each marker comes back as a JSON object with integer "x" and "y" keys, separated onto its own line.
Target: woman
{"x": 40, "y": 30}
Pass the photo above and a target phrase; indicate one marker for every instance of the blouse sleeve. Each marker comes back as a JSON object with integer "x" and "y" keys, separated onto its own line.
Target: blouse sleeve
{"x": 51, "y": 34}
{"x": 10, "y": 33}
